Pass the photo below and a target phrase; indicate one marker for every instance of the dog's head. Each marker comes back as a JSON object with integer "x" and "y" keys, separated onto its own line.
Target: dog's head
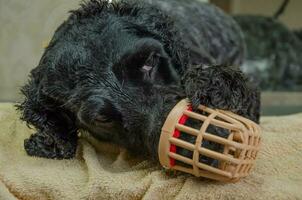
{"x": 118, "y": 68}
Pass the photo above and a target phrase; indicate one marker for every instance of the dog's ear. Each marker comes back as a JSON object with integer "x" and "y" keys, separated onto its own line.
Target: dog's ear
{"x": 145, "y": 61}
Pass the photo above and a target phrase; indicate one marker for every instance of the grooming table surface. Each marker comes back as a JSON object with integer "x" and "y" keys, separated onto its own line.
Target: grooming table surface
{"x": 105, "y": 171}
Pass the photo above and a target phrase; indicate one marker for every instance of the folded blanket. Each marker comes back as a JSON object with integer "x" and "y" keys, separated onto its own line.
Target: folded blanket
{"x": 105, "y": 171}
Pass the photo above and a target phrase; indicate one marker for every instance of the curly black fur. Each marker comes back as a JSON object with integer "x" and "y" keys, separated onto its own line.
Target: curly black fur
{"x": 298, "y": 34}
{"x": 117, "y": 69}
{"x": 274, "y": 53}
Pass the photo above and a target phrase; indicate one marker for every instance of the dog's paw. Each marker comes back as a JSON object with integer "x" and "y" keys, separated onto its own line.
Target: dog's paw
{"x": 217, "y": 87}
{"x": 48, "y": 146}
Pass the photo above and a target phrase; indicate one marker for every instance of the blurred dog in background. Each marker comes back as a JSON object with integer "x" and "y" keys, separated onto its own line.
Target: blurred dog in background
{"x": 274, "y": 52}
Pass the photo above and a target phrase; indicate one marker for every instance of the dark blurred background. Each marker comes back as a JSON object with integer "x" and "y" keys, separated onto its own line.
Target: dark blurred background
{"x": 27, "y": 26}
{"x": 273, "y": 34}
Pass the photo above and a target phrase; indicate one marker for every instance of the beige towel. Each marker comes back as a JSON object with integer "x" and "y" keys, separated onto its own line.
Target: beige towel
{"x": 104, "y": 171}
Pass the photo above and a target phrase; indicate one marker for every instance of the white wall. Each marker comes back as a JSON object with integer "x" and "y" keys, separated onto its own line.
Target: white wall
{"x": 25, "y": 26}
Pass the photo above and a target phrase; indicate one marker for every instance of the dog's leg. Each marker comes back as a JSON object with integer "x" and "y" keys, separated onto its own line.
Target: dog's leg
{"x": 223, "y": 88}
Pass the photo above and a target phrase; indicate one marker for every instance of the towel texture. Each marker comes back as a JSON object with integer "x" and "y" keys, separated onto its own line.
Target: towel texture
{"x": 105, "y": 171}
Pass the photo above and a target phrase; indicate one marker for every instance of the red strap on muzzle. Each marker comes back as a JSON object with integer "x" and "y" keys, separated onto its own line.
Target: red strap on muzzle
{"x": 176, "y": 134}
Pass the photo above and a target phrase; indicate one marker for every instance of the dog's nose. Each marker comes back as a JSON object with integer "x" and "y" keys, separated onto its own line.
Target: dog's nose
{"x": 99, "y": 111}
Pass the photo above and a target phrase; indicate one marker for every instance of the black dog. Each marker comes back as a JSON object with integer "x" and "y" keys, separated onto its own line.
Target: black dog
{"x": 298, "y": 33}
{"x": 274, "y": 53}
{"x": 117, "y": 69}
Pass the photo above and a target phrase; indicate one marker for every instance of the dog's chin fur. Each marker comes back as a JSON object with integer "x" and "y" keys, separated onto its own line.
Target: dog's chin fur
{"x": 118, "y": 69}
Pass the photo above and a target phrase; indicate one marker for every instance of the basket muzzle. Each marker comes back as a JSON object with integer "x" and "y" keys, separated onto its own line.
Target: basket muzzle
{"x": 239, "y": 149}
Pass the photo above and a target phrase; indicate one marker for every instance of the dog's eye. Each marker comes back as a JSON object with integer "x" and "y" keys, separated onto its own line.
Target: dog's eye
{"x": 153, "y": 60}
{"x": 142, "y": 63}
{"x": 147, "y": 68}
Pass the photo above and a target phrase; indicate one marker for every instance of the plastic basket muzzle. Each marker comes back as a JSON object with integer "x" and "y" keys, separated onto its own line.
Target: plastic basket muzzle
{"x": 240, "y": 148}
